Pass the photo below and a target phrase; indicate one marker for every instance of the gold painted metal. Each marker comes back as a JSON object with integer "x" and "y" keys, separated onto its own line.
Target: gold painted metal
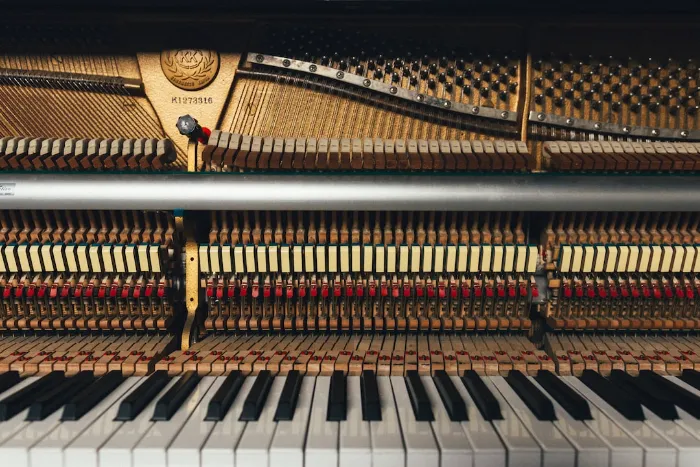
{"x": 190, "y": 69}
{"x": 191, "y": 285}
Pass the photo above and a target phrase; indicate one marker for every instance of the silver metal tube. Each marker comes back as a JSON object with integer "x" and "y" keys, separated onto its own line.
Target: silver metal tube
{"x": 540, "y": 192}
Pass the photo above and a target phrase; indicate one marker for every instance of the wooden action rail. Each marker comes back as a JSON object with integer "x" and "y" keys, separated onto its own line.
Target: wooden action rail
{"x": 131, "y": 354}
{"x": 232, "y": 151}
{"x": 80, "y": 154}
{"x": 669, "y": 354}
{"x": 385, "y": 353}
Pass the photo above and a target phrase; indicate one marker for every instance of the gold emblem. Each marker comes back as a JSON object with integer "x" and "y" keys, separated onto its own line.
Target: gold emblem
{"x": 190, "y": 69}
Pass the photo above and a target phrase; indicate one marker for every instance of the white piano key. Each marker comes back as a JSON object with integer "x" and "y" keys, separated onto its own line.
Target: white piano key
{"x": 455, "y": 448}
{"x": 523, "y": 450}
{"x": 488, "y": 450}
{"x": 421, "y": 447}
{"x": 685, "y": 442}
{"x": 624, "y": 451}
{"x": 116, "y": 452}
{"x": 686, "y": 420}
{"x": 151, "y": 451}
{"x": 83, "y": 450}
{"x": 254, "y": 445}
{"x": 355, "y": 446}
{"x": 287, "y": 448}
{"x": 220, "y": 446}
{"x": 658, "y": 452}
{"x": 322, "y": 440}
{"x": 14, "y": 451}
{"x": 49, "y": 451}
{"x": 590, "y": 449}
{"x": 556, "y": 450}
{"x": 10, "y": 427}
{"x": 185, "y": 448}
{"x": 387, "y": 444}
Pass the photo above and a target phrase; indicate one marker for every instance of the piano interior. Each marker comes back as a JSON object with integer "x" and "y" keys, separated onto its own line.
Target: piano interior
{"x": 554, "y": 335}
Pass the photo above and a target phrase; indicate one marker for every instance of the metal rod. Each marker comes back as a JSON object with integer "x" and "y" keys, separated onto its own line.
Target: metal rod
{"x": 537, "y": 192}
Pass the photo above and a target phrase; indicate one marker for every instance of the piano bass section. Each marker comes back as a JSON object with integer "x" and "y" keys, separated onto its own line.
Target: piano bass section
{"x": 83, "y": 287}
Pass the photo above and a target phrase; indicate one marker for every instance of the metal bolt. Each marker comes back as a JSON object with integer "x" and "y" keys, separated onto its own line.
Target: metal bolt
{"x": 366, "y": 83}
{"x": 313, "y": 68}
{"x": 340, "y": 75}
{"x": 655, "y": 132}
{"x": 504, "y": 115}
{"x": 286, "y": 62}
{"x": 541, "y": 117}
{"x": 259, "y": 58}
{"x": 597, "y": 126}
{"x": 569, "y": 121}
{"x": 475, "y": 110}
{"x": 625, "y": 129}
{"x": 684, "y": 133}
{"x": 420, "y": 97}
{"x": 393, "y": 90}
{"x": 446, "y": 104}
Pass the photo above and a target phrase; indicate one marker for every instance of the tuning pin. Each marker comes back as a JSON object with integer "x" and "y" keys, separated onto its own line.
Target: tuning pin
{"x": 423, "y": 73}
{"x": 559, "y": 101}
{"x": 539, "y": 99}
{"x": 568, "y": 76}
{"x": 596, "y": 105}
{"x": 569, "y": 94}
{"x": 450, "y": 71}
{"x": 460, "y": 64}
{"x": 578, "y": 85}
{"x": 616, "y": 106}
{"x": 485, "y": 92}
{"x": 380, "y": 60}
{"x": 448, "y": 87}
{"x": 459, "y": 80}
{"x": 578, "y": 102}
{"x": 467, "y": 89}
{"x": 378, "y": 74}
{"x": 512, "y": 87}
{"x": 653, "y": 107}
{"x": 413, "y": 80}
{"x": 395, "y": 77}
{"x": 558, "y": 83}
{"x": 371, "y": 65}
{"x": 442, "y": 77}
{"x": 431, "y": 83}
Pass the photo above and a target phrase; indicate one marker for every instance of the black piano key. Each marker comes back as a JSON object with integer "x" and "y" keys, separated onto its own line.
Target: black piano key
{"x": 673, "y": 393}
{"x": 371, "y": 405}
{"x": 484, "y": 400}
{"x": 20, "y": 400}
{"x": 288, "y": 399}
{"x": 337, "y": 399}
{"x": 645, "y": 391}
{"x": 691, "y": 377}
{"x": 419, "y": 398}
{"x": 9, "y": 379}
{"x": 89, "y": 397}
{"x": 453, "y": 402}
{"x": 220, "y": 404}
{"x": 570, "y": 400}
{"x": 54, "y": 398}
{"x": 254, "y": 402}
{"x": 171, "y": 401}
{"x": 138, "y": 399}
{"x": 629, "y": 407}
{"x": 539, "y": 404}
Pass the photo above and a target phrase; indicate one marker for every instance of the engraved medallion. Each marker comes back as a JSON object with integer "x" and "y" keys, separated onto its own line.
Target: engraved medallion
{"x": 190, "y": 69}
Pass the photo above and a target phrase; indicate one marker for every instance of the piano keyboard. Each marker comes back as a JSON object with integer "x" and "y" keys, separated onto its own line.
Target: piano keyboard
{"x": 294, "y": 420}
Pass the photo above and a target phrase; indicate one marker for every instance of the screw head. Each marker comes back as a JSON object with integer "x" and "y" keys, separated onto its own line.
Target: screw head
{"x": 186, "y": 125}
{"x": 447, "y": 104}
{"x": 366, "y": 83}
{"x": 597, "y": 126}
{"x": 313, "y": 68}
{"x": 541, "y": 117}
{"x": 625, "y": 129}
{"x": 286, "y": 62}
{"x": 340, "y": 75}
{"x": 259, "y": 58}
{"x": 654, "y": 132}
{"x": 393, "y": 90}
{"x": 569, "y": 121}
{"x": 475, "y": 110}
{"x": 420, "y": 97}
{"x": 504, "y": 115}
{"x": 684, "y": 133}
